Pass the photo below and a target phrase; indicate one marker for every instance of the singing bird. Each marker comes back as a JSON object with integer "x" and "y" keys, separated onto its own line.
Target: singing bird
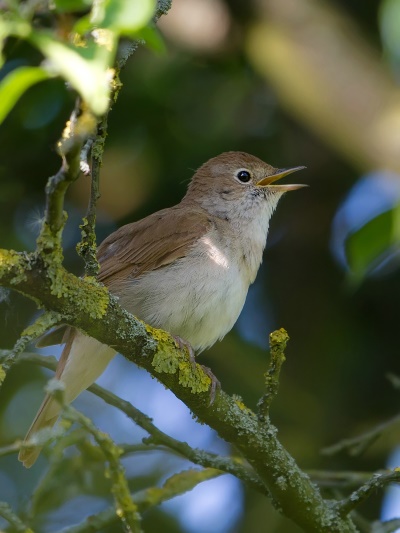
{"x": 185, "y": 269}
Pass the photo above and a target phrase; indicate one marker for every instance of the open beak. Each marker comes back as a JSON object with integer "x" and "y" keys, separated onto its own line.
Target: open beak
{"x": 277, "y": 175}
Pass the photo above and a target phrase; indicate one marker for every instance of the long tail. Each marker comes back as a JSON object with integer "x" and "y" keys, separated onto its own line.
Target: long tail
{"x": 82, "y": 361}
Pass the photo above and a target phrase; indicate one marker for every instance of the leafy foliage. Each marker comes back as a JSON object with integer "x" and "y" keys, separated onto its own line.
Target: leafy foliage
{"x": 85, "y": 56}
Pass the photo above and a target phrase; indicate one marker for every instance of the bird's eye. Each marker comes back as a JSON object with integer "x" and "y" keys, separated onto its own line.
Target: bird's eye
{"x": 243, "y": 176}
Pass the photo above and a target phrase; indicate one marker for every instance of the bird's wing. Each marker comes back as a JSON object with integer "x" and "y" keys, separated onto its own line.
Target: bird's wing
{"x": 142, "y": 246}
{"x": 151, "y": 243}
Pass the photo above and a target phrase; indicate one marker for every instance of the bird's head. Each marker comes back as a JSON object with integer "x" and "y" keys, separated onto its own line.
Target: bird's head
{"x": 239, "y": 184}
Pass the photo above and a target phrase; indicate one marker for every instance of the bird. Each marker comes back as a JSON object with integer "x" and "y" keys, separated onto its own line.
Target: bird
{"x": 185, "y": 269}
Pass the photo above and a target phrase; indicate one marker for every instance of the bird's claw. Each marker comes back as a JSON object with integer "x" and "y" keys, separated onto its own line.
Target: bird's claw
{"x": 215, "y": 383}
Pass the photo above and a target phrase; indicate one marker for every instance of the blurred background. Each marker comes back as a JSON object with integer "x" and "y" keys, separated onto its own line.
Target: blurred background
{"x": 294, "y": 82}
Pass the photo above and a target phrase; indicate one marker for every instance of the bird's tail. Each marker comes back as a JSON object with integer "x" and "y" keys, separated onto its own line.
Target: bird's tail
{"x": 82, "y": 361}
{"x": 42, "y": 420}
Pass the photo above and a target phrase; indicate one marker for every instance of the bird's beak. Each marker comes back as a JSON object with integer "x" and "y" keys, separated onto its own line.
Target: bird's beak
{"x": 277, "y": 175}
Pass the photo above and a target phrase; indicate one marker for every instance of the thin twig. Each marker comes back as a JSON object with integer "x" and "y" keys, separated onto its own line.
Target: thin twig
{"x": 87, "y": 247}
{"x": 277, "y": 343}
{"x": 389, "y": 526}
{"x": 377, "y": 481}
{"x": 79, "y": 127}
{"x": 357, "y": 445}
{"x": 232, "y": 465}
{"x": 43, "y": 323}
{"x": 7, "y": 513}
{"x": 11, "y": 448}
{"x": 341, "y": 479}
{"x": 126, "y": 508}
{"x": 84, "y": 157}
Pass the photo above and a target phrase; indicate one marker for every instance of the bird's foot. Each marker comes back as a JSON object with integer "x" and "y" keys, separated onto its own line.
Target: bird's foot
{"x": 185, "y": 344}
{"x": 215, "y": 383}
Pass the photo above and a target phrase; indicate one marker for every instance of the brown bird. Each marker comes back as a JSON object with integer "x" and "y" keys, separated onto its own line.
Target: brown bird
{"x": 185, "y": 269}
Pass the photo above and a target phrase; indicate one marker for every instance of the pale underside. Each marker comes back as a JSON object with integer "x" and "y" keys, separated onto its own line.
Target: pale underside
{"x": 180, "y": 270}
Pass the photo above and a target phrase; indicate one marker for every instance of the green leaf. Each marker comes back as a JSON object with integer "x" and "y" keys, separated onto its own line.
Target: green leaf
{"x": 123, "y": 16}
{"x": 389, "y": 18}
{"x": 67, "y": 6}
{"x": 11, "y": 24}
{"x": 86, "y": 68}
{"x": 176, "y": 485}
{"x": 153, "y": 39}
{"x": 15, "y": 84}
{"x": 373, "y": 243}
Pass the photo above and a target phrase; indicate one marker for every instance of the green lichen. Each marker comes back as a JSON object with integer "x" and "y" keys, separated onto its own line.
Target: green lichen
{"x": 42, "y": 324}
{"x": 99, "y": 298}
{"x": 49, "y": 244}
{"x": 169, "y": 360}
{"x": 86, "y": 294}
{"x": 242, "y": 406}
{"x": 196, "y": 379}
{"x": 278, "y": 340}
{"x": 10, "y": 262}
{"x": 87, "y": 247}
{"x": 163, "y": 361}
{"x": 98, "y": 146}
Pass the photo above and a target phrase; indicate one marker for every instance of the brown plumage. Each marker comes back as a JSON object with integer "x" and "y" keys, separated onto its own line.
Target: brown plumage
{"x": 185, "y": 269}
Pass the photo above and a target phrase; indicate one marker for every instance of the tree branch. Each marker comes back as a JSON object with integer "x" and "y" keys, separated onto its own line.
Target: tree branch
{"x": 174, "y": 486}
{"x": 79, "y": 127}
{"x": 390, "y": 526}
{"x": 377, "y": 481}
{"x": 341, "y": 480}
{"x": 126, "y": 508}
{"x": 357, "y": 445}
{"x": 277, "y": 343}
{"x": 42, "y": 324}
{"x": 17, "y": 524}
{"x": 236, "y": 466}
{"x": 89, "y": 307}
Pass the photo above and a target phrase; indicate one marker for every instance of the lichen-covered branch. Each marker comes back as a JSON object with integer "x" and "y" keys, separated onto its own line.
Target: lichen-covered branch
{"x": 42, "y": 324}
{"x": 233, "y": 465}
{"x": 78, "y": 128}
{"x": 89, "y": 307}
{"x": 377, "y": 481}
{"x": 277, "y": 343}
{"x": 95, "y": 146}
{"x": 85, "y": 304}
{"x": 87, "y": 248}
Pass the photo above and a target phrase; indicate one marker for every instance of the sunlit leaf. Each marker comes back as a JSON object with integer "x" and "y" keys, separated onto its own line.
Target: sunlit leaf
{"x": 123, "y": 16}
{"x": 15, "y": 84}
{"x": 12, "y": 25}
{"x": 86, "y": 68}
{"x": 373, "y": 243}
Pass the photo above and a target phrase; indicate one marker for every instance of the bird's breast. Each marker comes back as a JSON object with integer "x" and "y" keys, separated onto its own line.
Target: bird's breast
{"x": 200, "y": 296}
